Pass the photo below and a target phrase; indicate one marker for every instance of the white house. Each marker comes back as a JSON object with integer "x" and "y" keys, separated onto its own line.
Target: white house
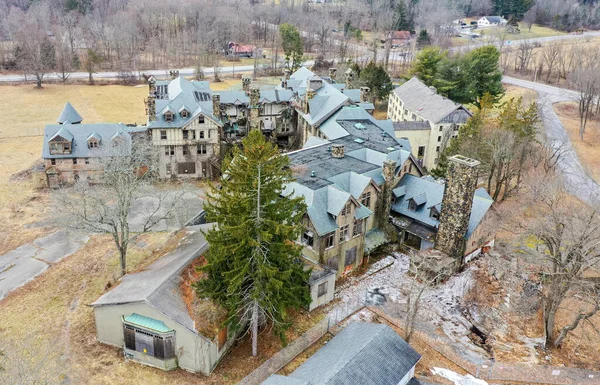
{"x": 491, "y": 21}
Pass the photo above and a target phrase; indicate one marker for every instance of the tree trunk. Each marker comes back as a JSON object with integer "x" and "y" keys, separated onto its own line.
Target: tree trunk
{"x": 254, "y": 324}
{"x": 123, "y": 256}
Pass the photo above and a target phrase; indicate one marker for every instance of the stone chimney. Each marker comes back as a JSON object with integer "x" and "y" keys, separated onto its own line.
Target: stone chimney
{"x": 286, "y": 74}
{"x": 349, "y": 77}
{"x": 284, "y": 84}
{"x": 216, "y": 103}
{"x": 365, "y": 94}
{"x": 337, "y": 151}
{"x": 389, "y": 175}
{"x": 174, "y": 74}
{"x": 151, "y": 101}
{"x": 254, "y": 107}
{"x": 461, "y": 183}
{"x": 246, "y": 82}
{"x": 333, "y": 73}
{"x": 308, "y": 95}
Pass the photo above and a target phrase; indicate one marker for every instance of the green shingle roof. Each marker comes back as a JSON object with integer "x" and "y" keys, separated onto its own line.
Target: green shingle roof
{"x": 147, "y": 323}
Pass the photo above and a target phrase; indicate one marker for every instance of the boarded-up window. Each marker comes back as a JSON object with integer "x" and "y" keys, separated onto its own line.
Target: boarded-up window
{"x": 144, "y": 342}
{"x": 350, "y": 257}
{"x": 186, "y": 168}
{"x": 333, "y": 263}
{"x": 322, "y": 289}
{"x": 169, "y": 347}
{"x": 222, "y": 337}
{"x": 129, "y": 337}
{"x": 159, "y": 347}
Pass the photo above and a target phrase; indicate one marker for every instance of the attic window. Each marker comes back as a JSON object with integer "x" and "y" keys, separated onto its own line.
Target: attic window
{"x": 347, "y": 209}
{"x": 433, "y": 213}
{"x": 412, "y": 205}
{"x": 169, "y": 116}
{"x": 185, "y": 114}
{"x": 93, "y": 143}
{"x": 201, "y": 119}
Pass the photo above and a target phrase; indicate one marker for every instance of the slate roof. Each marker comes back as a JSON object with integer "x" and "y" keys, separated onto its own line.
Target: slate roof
{"x": 362, "y": 353}
{"x": 183, "y": 93}
{"x": 494, "y": 19}
{"x": 428, "y": 194}
{"x": 276, "y": 379}
{"x": 78, "y": 134}
{"x": 69, "y": 115}
{"x": 266, "y": 96}
{"x": 424, "y": 102}
{"x": 158, "y": 285}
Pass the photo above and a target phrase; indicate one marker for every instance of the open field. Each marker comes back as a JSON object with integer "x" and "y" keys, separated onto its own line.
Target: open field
{"x": 588, "y": 150}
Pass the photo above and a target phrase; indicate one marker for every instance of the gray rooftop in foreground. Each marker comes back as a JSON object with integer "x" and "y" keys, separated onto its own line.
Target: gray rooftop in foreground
{"x": 158, "y": 284}
{"x": 362, "y": 353}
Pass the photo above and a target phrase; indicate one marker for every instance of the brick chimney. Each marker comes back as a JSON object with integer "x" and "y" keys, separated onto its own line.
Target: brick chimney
{"x": 461, "y": 183}
{"x": 365, "y": 94}
{"x": 216, "y": 104}
{"x": 254, "y": 107}
{"x": 389, "y": 175}
{"x": 246, "y": 82}
{"x": 337, "y": 151}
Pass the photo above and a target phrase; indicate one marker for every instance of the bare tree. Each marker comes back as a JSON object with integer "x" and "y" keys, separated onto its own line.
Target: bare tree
{"x": 550, "y": 56}
{"x": 586, "y": 83}
{"x": 30, "y": 361}
{"x": 35, "y": 52}
{"x": 568, "y": 245}
{"x": 530, "y": 16}
{"x": 523, "y": 56}
{"x": 129, "y": 170}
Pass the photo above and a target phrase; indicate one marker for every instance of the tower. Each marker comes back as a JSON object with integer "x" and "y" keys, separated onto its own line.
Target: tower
{"x": 254, "y": 107}
{"x": 457, "y": 202}
{"x": 151, "y": 101}
{"x": 389, "y": 175}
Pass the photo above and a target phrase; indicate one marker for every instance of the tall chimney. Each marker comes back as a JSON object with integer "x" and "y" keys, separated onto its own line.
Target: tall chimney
{"x": 254, "y": 107}
{"x": 333, "y": 73}
{"x": 389, "y": 175}
{"x": 309, "y": 94}
{"x": 216, "y": 103}
{"x": 246, "y": 81}
{"x": 349, "y": 77}
{"x": 365, "y": 94}
{"x": 456, "y": 206}
{"x": 337, "y": 151}
{"x": 286, "y": 74}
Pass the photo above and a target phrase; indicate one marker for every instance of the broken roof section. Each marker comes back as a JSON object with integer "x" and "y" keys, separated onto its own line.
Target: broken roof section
{"x": 69, "y": 115}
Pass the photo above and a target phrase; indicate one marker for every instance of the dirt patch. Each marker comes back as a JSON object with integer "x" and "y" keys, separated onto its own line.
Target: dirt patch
{"x": 588, "y": 149}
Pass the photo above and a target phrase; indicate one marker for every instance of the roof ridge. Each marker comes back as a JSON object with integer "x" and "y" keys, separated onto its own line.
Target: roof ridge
{"x": 362, "y": 346}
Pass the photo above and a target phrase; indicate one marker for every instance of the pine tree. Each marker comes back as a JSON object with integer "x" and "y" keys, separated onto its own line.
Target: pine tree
{"x": 253, "y": 267}
{"x": 377, "y": 79}
{"x": 402, "y": 20}
{"x": 484, "y": 74}
{"x": 292, "y": 44}
{"x": 427, "y": 63}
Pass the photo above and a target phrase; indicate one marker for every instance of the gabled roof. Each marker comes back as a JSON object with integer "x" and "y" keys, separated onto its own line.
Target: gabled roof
{"x": 62, "y": 133}
{"x": 429, "y": 194}
{"x": 362, "y": 353}
{"x": 69, "y": 115}
{"x": 425, "y": 102}
{"x": 80, "y": 134}
{"x": 158, "y": 285}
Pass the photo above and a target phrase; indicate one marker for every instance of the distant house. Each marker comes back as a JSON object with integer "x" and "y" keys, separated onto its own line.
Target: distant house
{"x": 241, "y": 50}
{"x": 362, "y": 353}
{"x": 72, "y": 150}
{"x": 423, "y": 208}
{"x": 428, "y": 120}
{"x": 399, "y": 38}
{"x": 490, "y": 21}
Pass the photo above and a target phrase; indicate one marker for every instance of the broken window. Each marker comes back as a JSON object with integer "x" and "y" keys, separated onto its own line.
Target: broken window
{"x": 347, "y": 210}
{"x": 186, "y": 134}
{"x": 202, "y": 149}
{"x": 421, "y": 152}
{"x": 412, "y": 205}
{"x": 163, "y": 134}
{"x": 169, "y": 150}
{"x": 365, "y": 199}
{"x": 322, "y": 289}
{"x": 308, "y": 238}
{"x": 343, "y": 233}
{"x": 357, "y": 228}
{"x": 350, "y": 257}
{"x": 330, "y": 240}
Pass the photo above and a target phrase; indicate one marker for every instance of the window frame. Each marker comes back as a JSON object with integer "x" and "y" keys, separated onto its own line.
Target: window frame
{"x": 330, "y": 241}
{"x": 412, "y": 205}
{"x": 201, "y": 146}
{"x": 163, "y": 134}
{"x": 365, "y": 199}
{"x": 343, "y": 234}
{"x": 308, "y": 238}
{"x": 322, "y": 289}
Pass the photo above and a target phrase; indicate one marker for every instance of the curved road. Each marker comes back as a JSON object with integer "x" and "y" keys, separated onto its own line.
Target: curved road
{"x": 579, "y": 183}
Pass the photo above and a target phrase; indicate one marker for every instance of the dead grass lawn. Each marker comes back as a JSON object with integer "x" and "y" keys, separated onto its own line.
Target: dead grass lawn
{"x": 588, "y": 150}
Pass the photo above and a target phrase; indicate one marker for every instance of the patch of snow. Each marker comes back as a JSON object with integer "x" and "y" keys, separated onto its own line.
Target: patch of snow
{"x": 457, "y": 378}
{"x": 382, "y": 263}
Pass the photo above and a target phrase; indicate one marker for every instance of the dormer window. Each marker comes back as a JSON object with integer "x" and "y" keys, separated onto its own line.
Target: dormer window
{"x": 169, "y": 116}
{"x": 184, "y": 114}
{"x": 412, "y": 205}
{"x": 201, "y": 119}
{"x": 93, "y": 143}
{"x": 434, "y": 213}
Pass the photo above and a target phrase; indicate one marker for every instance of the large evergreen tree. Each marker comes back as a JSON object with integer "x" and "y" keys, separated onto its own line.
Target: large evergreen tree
{"x": 292, "y": 45}
{"x": 483, "y": 72}
{"x": 377, "y": 79}
{"x": 427, "y": 63}
{"x": 253, "y": 267}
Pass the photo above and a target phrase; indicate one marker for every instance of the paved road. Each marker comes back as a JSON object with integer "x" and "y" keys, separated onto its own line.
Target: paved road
{"x": 579, "y": 183}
